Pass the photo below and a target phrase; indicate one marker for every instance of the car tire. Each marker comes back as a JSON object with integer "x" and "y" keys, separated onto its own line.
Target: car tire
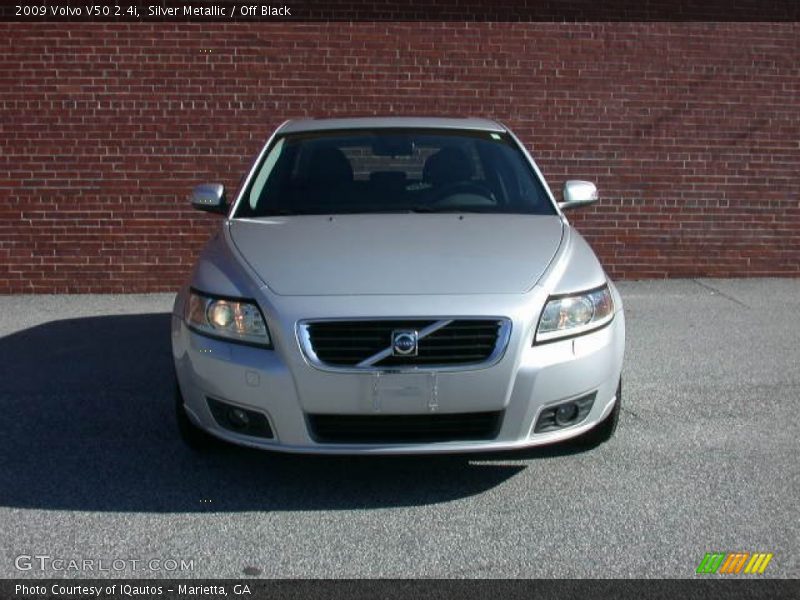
{"x": 604, "y": 430}
{"x": 194, "y": 437}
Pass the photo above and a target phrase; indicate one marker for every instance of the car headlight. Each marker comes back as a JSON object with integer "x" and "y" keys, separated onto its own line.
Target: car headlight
{"x": 567, "y": 316}
{"x": 231, "y": 319}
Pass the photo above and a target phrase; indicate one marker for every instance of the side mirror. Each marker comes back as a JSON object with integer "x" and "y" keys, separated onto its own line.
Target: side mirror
{"x": 578, "y": 193}
{"x": 210, "y": 197}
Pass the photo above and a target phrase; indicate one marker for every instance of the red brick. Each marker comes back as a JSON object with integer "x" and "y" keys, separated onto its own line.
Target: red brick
{"x": 690, "y": 130}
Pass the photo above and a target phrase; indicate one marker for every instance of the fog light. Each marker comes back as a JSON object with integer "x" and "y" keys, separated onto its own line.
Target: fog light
{"x": 238, "y": 418}
{"x": 566, "y": 413}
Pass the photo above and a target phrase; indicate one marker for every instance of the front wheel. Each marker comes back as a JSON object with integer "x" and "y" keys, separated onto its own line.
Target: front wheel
{"x": 604, "y": 430}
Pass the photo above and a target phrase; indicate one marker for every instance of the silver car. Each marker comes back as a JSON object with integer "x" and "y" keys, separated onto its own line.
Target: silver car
{"x": 396, "y": 285}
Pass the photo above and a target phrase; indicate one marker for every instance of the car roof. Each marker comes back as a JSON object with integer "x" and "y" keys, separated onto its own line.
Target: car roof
{"x": 309, "y": 125}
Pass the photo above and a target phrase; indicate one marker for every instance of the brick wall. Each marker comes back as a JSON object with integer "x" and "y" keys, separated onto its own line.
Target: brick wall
{"x": 691, "y": 131}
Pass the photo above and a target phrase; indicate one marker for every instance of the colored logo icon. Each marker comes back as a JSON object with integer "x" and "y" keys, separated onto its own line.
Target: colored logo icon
{"x": 734, "y": 563}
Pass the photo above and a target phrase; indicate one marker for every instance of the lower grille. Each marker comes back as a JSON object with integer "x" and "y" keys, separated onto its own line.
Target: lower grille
{"x": 400, "y": 429}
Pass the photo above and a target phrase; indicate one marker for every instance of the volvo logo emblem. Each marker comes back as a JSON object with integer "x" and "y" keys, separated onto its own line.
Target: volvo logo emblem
{"x": 405, "y": 343}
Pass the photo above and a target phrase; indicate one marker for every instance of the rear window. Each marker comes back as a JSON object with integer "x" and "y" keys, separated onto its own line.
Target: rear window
{"x": 375, "y": 171}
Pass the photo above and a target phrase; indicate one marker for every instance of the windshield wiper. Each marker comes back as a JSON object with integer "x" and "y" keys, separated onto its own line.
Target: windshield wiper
{"x": 443, "y": 209}
{"x": 287, "y": 212}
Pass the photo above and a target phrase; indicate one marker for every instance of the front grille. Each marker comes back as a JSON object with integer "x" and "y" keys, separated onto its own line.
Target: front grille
{"x": 400, "y": 429}
{"x": 453, "y": 342}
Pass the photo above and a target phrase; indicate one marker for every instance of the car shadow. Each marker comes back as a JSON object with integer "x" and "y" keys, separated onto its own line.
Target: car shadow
{"x": 89, "y": 425}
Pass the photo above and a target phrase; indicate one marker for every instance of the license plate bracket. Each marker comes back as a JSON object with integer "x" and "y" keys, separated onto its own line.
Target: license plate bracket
{"x": 405, "y": 393}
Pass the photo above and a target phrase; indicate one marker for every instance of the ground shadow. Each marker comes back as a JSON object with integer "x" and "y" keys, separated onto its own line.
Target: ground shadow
{"x": 89, "y": 425}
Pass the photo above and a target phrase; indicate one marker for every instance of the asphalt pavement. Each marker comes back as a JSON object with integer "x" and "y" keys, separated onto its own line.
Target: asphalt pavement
{"x": 705, "y": 459}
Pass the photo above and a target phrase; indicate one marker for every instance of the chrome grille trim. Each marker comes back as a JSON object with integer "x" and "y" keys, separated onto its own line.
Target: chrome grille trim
{"x": 368, "y": 364}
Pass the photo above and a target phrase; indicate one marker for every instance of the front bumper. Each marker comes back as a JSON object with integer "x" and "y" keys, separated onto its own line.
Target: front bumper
{"x": 283, "y": 386}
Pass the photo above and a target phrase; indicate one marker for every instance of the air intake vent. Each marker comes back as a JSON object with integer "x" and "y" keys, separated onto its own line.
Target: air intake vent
{"x": 400, "y": 429}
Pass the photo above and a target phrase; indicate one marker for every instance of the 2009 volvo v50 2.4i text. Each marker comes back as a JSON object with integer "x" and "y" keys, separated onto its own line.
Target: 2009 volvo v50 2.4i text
{"x": 396, "y": 285}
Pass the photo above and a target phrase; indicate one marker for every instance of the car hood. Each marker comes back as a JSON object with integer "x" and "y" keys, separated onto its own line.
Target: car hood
{"x": 398, "y": 254}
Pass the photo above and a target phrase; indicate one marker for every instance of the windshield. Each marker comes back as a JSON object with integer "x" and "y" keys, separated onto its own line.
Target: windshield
{"x": 384, "y": 171}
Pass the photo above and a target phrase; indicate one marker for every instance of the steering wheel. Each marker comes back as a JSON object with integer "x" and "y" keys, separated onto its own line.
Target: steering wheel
{"x": 463, "y": 187}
